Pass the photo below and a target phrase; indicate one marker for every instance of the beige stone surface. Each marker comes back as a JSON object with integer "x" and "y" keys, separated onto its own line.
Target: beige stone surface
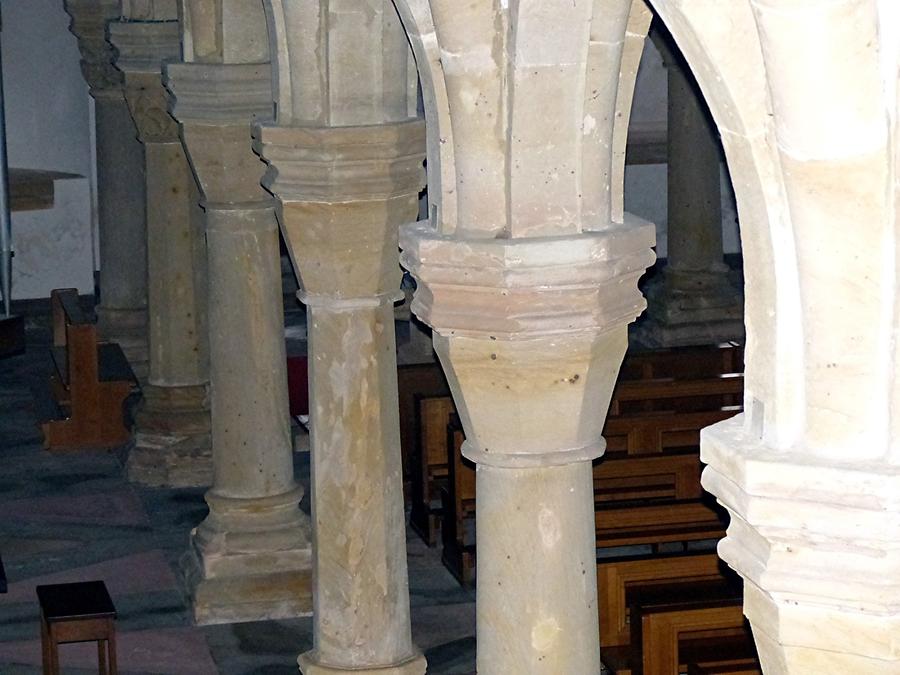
{"x": 343, "y": 192}
{"x": 176, "y": 402}
{"x": 251, "y": 558}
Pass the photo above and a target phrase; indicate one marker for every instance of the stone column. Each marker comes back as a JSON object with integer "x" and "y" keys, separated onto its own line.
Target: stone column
{"x": 122, "y": 312}
{"x": 529, "y": 284}
{"x": 810, "y": 473}
{"x": 346, "y": 163}
{"x": 695, "y": 300}
{"x": 172, "y": 442}
{"x": 250, "y": 559}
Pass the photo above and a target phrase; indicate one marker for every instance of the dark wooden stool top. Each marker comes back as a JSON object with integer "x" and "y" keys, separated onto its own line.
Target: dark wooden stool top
{"x": 79, "y": 612}
{"x": 83, "y": 600}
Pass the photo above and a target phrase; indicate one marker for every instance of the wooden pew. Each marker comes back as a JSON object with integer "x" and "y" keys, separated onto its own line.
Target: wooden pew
{"x": 616, "y": 575}
{"x": 662, "y": 616}
{"x": 416, "y": 383}
{"x": 654, "y": 523}
{"x": 91, "y": 382}
{"x": 432, "y": 471}
{"x": 458, "y": 500}
{"x": 675, "y": 475}
{"x": 654, "y": 432}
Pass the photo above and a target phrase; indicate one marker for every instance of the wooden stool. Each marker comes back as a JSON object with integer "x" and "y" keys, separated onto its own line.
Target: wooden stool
{"x": 80, "y": 612}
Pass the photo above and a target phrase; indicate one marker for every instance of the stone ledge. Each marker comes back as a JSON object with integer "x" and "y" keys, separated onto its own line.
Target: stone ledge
{"x": 216, "y": 93}
{"x": 527, "y": 287}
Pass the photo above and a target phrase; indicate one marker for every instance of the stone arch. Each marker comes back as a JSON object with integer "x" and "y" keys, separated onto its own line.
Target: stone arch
{"x": 711, "y": 35}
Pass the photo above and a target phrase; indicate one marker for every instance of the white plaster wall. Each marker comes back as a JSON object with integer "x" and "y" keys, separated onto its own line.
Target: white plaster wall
{"x": 49, "y": 126}
{"x": 645, "y": 185}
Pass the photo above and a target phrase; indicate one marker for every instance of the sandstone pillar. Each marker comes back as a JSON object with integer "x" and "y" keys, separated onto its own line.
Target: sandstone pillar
{"x": 346, "y": 163}
{"x": 529, "y": 282}
{"x": 250, "y": 559}
{"x": 694, "y": 301}
{"x": 122, "y": 314}
{"x": 809, "y": 473}
{"x": 172, "y": 444}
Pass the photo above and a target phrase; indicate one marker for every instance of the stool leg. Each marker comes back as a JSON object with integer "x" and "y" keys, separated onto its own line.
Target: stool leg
{"x": 45, "y": 646}
{"x": 111, "y": 646}
{"x": 54, "y": 652}
{"x": 102, "y": 649}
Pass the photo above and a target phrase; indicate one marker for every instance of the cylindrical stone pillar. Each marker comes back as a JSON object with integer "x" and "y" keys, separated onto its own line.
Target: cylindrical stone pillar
{"x": 121, "y": 201}
{"x": 362, "y": 600}
{"x": 250, "y": 559}
{"x": 172, "y": 444}
{"x": 694, "y": 301}
{"x": 344, "y": 191}
{"x": 534, "y": 525}
{"x": 532, "y": 400}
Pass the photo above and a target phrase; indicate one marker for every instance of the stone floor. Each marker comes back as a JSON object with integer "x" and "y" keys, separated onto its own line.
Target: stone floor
{"x": 73, "y": 517}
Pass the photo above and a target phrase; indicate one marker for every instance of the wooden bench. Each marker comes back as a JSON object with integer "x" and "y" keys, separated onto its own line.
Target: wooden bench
{"x": 417, "y": 383}
{"x": 432, "y": 471}
{"x": 675, "y": 475}
{"x": 615, "y": 576}
{"x": 458, "y": 499}
{"x": 91, "y": 382}
{"x": 662, "y": 616}
{"x": 682, "y": 520}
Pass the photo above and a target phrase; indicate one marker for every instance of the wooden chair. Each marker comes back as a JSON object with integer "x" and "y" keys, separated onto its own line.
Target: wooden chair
{"x": 79, "y": 612}
{"x": 91, "y": 382}
{"x": 431, "y": 466}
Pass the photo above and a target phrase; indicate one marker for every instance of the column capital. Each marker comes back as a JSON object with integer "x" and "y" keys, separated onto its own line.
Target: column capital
{"x": 142, "y": 48}
{"x": 815, "y": 539}
{"x": 523, "y": 288}
{"x": 216, "y": 105}
{"x": 343, "y": 190}
{"x": 531, "y": 333}
{"x": 89, "y": 19}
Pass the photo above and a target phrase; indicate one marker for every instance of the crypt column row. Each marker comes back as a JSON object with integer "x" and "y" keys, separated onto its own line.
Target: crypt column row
{"x": 694, "y": 300}
{"x": 529, "y": 279}
{"x": 250, "y": 559}
{"x": 172, "y": 441}
{"x": 346, "y": 157}
{"x": 122, "y": 314}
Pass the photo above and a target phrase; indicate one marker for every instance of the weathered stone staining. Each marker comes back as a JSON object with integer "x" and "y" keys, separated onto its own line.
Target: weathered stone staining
{"x": 695, "y": 300}
{"x": 250, "y": 559}
{"x": 346, "y": 157}
{"x": 529, "y": 283}
{"x": 122, "y": 314}
{"x": 809, "y": 471}
{"x": 172, "y": 432}
{"x": 527, "y": 271}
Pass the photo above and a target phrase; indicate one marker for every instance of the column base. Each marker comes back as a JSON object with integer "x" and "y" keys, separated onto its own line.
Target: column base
{"x": 128, "y": 328}
{"x": 250, "y": 560}
{"x": 309, "y": 666}
{"x": 173, "y": 446}
{"x": 692, "y": 308}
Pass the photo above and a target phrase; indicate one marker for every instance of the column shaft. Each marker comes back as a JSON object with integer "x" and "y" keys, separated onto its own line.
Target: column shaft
{"x": 537, "y": 580}
{"x": 249, "y": 559}
{"x": 172, "y": 444}
{"x": 121, "y": 203}
{"x": 362, "y": 599}
{"x": 251, "y": 436}
{"x": 694, "y": 241}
